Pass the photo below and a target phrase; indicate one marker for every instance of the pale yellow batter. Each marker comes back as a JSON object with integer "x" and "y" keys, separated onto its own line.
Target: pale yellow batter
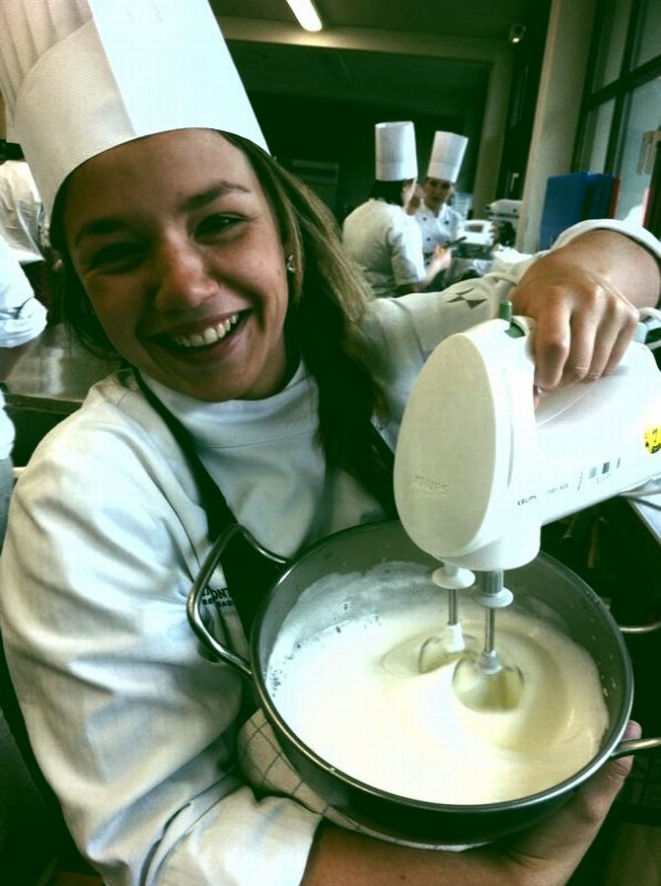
{"x": 355, "y": 696}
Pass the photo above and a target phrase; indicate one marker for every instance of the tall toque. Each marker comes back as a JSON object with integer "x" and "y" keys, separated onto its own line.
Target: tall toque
{"x": 82, "y": 76}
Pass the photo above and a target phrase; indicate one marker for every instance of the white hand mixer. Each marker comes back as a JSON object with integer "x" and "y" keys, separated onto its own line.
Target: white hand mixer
{"x": 479, "y": 470}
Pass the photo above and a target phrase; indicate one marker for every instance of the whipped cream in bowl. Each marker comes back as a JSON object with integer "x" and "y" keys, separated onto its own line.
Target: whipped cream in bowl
{"x": 352, "y": 691}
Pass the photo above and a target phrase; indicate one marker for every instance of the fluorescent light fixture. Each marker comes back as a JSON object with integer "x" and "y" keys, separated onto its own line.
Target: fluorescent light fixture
{"x": 307, "y": 15}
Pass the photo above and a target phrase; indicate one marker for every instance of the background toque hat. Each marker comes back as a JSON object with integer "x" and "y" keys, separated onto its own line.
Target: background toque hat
{"x": 82, "y": 76}
{"x": 447, "y": 154}
{"x": 396, "y": 158}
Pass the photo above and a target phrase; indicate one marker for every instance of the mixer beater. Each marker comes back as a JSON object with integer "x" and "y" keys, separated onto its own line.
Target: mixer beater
{"x": 483, "y": 679}
{"x": 487, "y": 680}
{"x": 451, "y": 644}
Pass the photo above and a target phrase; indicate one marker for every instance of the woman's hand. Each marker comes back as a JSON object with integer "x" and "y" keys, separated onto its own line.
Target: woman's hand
{"x": 549, "y": 853}
{"x": 441, "y": 260}
{"x": 585, "y": 298}
{"x": 545, "y": 855}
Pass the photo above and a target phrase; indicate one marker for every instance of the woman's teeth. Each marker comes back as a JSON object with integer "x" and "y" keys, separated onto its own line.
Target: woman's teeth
{"x": 209, "y": 336}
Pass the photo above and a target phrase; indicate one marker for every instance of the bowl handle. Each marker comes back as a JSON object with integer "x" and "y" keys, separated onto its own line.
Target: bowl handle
{"x": 646, "y": 746}
{"x": 199, "y": 586}
{"x": 640, "y": 629}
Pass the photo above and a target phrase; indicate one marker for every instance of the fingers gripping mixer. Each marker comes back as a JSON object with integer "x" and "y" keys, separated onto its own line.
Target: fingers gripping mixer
{"x": 479, "y": 470}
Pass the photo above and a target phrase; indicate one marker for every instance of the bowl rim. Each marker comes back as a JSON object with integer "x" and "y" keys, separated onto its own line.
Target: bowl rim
{"x": 611, "y": 738}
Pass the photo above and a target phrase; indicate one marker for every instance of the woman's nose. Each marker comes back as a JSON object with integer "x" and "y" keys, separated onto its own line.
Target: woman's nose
{"x": 184, "y": 279}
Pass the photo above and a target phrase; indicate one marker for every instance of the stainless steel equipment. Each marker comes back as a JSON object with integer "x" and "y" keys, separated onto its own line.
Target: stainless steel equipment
{"x": 543, "y": 586}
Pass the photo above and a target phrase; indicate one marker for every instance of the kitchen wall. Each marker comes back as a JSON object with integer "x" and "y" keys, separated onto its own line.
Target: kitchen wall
{"x": 485, "y": 121}
{"x": 558, "y": 108}
{"x": 342, "y": 133}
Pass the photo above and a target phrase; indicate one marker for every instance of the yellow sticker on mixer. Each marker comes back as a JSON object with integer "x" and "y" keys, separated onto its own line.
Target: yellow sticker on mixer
{"x": 653, "y": 439}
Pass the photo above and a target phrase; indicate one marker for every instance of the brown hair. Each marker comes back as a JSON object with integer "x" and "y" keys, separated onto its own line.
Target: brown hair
{"x": 390, "y": 192}
{"x": 328, "y": 298}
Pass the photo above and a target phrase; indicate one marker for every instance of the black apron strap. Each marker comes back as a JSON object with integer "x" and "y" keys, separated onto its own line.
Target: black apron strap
{"x": 248, "y": 573}
{"x": 386, "y": 491}
{"x": 219, "y": 515}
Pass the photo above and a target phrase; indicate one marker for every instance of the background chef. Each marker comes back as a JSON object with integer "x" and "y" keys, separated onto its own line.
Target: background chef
{"x": 439, "y": 222}
{"x": 22, "y": 320}
{"x": 380, "y": 236}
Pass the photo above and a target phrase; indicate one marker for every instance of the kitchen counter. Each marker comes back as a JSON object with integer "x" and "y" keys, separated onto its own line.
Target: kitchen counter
{"x": 57, "y": 372}
{"x": 49, "y": 383}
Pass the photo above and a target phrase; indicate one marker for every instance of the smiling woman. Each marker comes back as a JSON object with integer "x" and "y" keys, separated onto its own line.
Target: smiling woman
{"x": 261, "y": 385}
{"x": 191, "y": 284}
{"x": 168, "y": 268}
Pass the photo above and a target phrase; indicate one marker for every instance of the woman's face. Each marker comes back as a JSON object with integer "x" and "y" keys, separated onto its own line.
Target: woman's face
{"x": 179, "y": 250}
{"x": 437, "y": 192}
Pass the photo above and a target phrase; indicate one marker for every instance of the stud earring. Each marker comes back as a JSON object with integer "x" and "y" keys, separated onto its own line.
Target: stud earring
{"x": 290, "y": 264}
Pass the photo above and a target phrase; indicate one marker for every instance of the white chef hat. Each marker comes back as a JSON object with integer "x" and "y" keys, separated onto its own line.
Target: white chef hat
{"x": 82, "y": 76}
{"x": 447, "y": 154}
{"x": 396, "y": 158}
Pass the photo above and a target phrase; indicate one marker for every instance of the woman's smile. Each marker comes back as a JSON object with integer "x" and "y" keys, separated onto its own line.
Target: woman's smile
{"x": 207, "y": 337}
{"x": 188, "y": 280}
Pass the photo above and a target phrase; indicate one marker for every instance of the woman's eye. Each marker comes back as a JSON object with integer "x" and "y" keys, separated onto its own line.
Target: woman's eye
{"x": 115, "y": 256}
{"x": 216, "y": 223}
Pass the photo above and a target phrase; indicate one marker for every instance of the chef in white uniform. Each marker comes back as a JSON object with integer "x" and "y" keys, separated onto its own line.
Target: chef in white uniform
{"x": 379, "y": 236}
{"x": 255, "y": 368}
{"x": 439, "y": 222}
{"x": 24, "y": 225}
{"x": 22, "y": 217}
{"x": 22, "y": 320}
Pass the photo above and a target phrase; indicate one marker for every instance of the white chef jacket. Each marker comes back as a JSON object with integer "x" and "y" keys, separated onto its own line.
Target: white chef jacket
{"x": 131, "y": 722}
{"x": 23, "y": 221}
{"x": 22, "y": 319}
{"x": 437, "y": 229}
{"x": 386, "y": 244}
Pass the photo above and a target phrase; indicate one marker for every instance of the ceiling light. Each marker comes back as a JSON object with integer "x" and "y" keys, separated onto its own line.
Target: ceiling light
{"x": 517, "y": 33}
{"x": 307, "y": 15}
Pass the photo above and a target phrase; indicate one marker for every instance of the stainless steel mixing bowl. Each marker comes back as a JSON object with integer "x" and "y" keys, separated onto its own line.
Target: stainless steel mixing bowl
{"x": 544, "y": 587}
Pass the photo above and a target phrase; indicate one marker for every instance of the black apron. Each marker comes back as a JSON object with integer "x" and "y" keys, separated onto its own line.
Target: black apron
{"x": 248, "y": 573}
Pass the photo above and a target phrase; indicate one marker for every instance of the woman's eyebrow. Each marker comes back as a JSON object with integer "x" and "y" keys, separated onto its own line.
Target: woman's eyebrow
{"x": 110, "y": 224}
{"x": 219, "y": 189}
{"x": 98, "y": 227}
